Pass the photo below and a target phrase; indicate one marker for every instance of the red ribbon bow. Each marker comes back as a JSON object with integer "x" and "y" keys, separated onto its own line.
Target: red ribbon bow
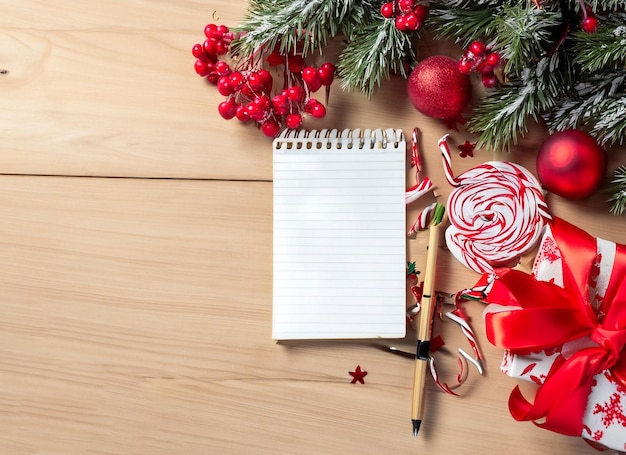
{"x": 538, "y": 315}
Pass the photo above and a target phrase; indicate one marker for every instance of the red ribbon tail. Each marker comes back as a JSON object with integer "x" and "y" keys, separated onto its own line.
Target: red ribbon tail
{"x": 521, "y": 409}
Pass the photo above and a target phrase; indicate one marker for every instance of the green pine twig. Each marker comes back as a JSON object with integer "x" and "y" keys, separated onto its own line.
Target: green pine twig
{"x": 289, "y": 24}
{"x": 597, "y": 105}
{"x": 604, "y": 50}
{"x": 618, "y": 188}
{"x": 375, "y": 51}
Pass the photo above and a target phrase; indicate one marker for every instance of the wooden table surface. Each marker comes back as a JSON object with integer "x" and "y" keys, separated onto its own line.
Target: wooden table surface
{"x": 136, "y": 245}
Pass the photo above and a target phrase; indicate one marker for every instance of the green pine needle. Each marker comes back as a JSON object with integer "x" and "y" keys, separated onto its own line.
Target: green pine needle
{"x": 374, "y": 52}
{"x": 618, "y": 188}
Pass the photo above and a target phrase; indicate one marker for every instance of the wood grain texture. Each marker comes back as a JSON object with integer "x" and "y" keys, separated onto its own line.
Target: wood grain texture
{"x": 136, "y": 311}
{"x": 136, "y": 319}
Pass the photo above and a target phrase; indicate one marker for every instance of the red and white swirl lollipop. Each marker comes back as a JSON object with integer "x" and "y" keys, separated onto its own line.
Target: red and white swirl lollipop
{"x": 497, "y": 213}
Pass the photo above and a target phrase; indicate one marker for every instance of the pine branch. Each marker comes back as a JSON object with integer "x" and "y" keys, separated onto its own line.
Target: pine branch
{"x": 603, "y": 50}
{"x": 525, "y": 35}
{"x": 469, "y": 4}
{"x": 618, "y": 188}
{"x": 606, "y": 5}
{"x": 288, "y": 23}
{"x": 461, "y": 24}
{"x": 374, "y": 52}
{"x": 503, "y": 114}
{"x": 597, "y": 105}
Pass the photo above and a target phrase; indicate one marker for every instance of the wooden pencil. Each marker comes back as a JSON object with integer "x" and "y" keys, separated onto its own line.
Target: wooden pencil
{"x": 424, "y": 329}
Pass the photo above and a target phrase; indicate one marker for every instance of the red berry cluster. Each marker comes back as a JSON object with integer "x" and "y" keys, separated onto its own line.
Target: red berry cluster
{"x": 479, "y": 58}
{"x": 249, "y": 90}
{"x": 590, "y": 22}
{"x": 408, "y": 14}
{"x": 217, "y": 42}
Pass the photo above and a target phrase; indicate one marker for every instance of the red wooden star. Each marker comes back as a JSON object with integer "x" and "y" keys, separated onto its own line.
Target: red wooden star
{"x": 467, "y": 149}
{"x": 358, "y": 375}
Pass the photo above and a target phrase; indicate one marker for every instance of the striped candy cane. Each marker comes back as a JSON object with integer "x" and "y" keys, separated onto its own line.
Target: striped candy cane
{"x": 423, "y": 219}
{"x": 422, "y": 186}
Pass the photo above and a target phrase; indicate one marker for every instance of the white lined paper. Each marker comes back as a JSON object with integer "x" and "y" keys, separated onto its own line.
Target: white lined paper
{"x": 339, "y": 235}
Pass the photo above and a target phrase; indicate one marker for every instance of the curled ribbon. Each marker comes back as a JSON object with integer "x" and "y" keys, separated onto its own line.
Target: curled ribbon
{"x": 527, "y": 315}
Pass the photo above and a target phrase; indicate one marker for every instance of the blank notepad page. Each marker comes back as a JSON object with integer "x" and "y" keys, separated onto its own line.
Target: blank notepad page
{"x": 339, "y": 235}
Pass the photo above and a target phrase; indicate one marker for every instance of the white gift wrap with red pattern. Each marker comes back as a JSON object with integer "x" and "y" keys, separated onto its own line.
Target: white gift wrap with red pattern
{"x": 605, "y": 416}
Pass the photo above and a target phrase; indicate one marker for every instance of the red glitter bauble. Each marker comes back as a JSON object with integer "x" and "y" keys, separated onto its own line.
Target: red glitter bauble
{"x": 571, "y": 164}
{"x": 438, "y": 89}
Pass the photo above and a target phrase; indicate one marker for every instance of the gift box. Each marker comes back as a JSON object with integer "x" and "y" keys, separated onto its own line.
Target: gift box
{"x": 563, "y": 327}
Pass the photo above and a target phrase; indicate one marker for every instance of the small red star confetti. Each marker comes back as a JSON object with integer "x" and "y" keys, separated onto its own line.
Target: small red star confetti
{"x": 466, "y": 149}
{"x": 358, "y": 375}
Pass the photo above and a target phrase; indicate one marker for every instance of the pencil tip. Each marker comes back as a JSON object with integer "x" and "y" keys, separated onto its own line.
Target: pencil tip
{"x": 416, "y": 426}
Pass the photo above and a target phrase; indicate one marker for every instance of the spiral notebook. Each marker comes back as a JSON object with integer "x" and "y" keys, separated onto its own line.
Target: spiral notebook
{"x": 339, "y": 235}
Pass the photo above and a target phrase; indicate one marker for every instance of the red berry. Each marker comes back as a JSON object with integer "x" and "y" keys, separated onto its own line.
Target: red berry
{"x": 280, "y": 104}
{"x": 315, "y": 86}
{"x": 254, "y": 111}
{"x": 202, "y": 68}
{"x": 493, "y": 59}
{"x": 326, "y": 73}
{"x": 242, "y": 114}
{"x": 477, "y": 48}
{"x": 405, "y": 5}
{"x": 411, "y": 22}
{"x": 280, "y": 109}
{"x": 309, "y": 74}
{"x": 484, "y": 68}
{"x": 295, "y": 94}
{"x": 210, "y": 46}
{"x": 318, "y": 110}
{"x": 209, "y": 30}
{"x": 401, "y": 22}
{"x": 256, "y": 82}
{"x": 263, "y": 102}
{"x": 293, "y": 120}
{"x": 489, "y": 80}
{"x": 465, "y": 66}
{"x": 387, "y": 10}
{"x": 247, "y": 91}
{"x": 280, "y": 100}
{"x": 222, "y": 30}
{"x": 224, "y": 86}
{"x": 267, "y": 79}
{"x": 421, "y": 11}
{"x": 236, "y": 79}
{"x": 228, "y": 108}
{"x": 590, "y": 24}
{"x": 221, "y": 48}
{"x": 197, "y": 51}
{"x": 308, "y": 107}
{"x": 222, "y": 68}
{"x": 213, "y": 77}
{"x": 270, "y": 128}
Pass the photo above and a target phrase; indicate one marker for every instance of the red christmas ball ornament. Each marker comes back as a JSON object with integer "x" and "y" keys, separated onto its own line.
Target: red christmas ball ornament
{"x": 571, "y": 164}
{"x": 438, "y": 89}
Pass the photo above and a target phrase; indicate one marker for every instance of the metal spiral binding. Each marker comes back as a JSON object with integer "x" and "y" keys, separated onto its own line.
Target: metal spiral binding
{"x": 334, "y": 139}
